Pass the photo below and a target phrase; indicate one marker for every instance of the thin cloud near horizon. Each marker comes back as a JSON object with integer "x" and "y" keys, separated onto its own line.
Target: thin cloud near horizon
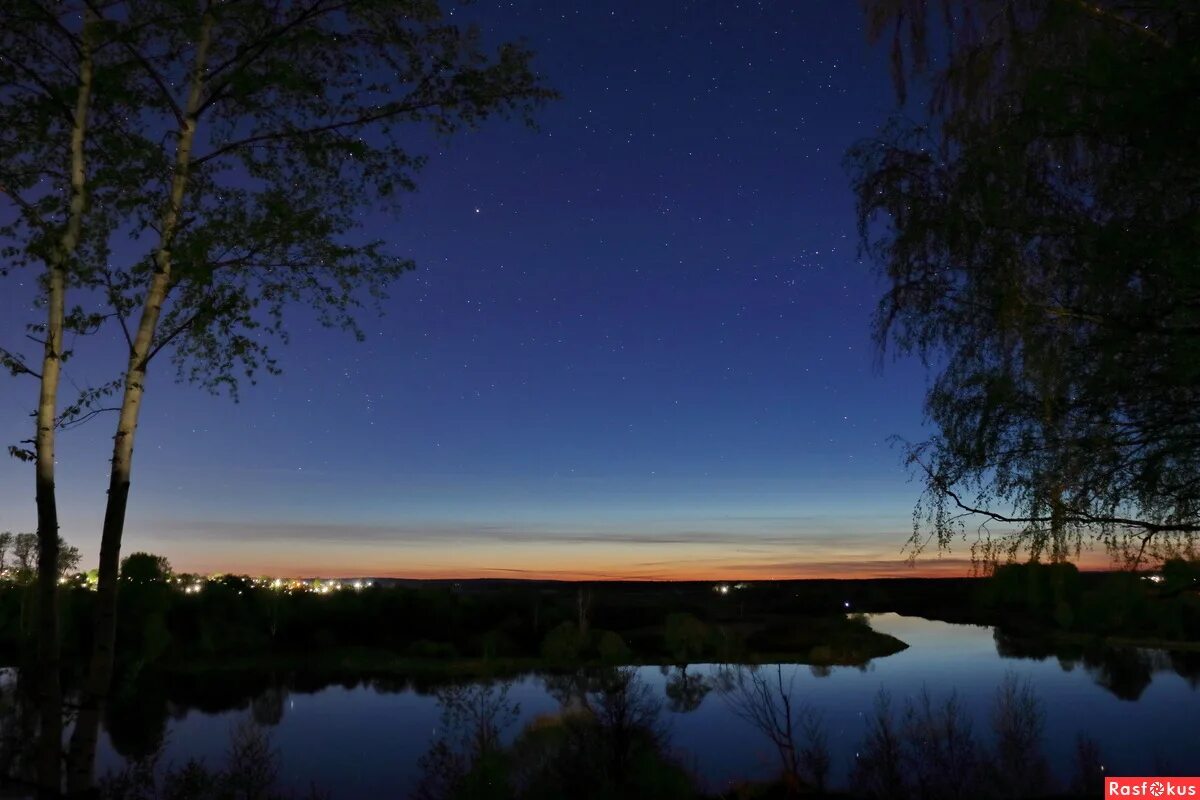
{"x": 474, "y": 550}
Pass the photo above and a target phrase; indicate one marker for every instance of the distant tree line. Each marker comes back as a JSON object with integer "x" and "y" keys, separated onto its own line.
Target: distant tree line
{"x": 172, "y": 620}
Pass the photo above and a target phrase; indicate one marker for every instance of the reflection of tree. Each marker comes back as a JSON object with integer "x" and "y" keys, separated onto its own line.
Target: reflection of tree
{"x": 17, "y": 725}
{"x": 606, "y": 742}
{"x": 250, "y": 772}
{"x": 232, "y": 691}
{"x": 390, "y": 684}
{"x": 1126, "y": 672}
{"x": 626, "y": 715}
{"x": 570, "y": 689}
{"x": 252, "y": 764}
{"x": 762, "y": 698}
{"x": 685, "y": 692}
{"x": 1009, "y": 645}
{"x": 136, "y": 719}
{"x": 466, "y": 759}
{"x": 267, "y": 708}
{"x": 1187, "y": 666}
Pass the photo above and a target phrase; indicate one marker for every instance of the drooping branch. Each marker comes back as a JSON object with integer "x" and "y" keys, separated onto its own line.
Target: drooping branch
{"x": 1069, "y": 517}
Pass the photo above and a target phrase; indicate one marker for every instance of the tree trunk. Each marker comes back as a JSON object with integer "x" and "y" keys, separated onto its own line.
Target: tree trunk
{"x": 96, "y": 685}
{"x": 584, "y": 601}
{"x": 49, "y": 668}
{"x": 49, "y": 756}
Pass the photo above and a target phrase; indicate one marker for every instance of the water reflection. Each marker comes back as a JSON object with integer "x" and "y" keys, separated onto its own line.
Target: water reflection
{"x": 606, "y": 740}
{"x": 249, "y": 771}
{"x": 685, "y": 692}
{"x": 676, "y": 729}
{"x": 1126, "y": 672}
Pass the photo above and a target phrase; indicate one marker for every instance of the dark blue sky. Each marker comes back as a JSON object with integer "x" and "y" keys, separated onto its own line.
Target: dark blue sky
{"x": 637, "y": 342}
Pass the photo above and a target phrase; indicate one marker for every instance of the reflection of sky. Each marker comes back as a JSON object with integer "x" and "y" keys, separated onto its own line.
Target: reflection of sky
{"x": 1135, "y": 738}
{"x": 359, "y": 743}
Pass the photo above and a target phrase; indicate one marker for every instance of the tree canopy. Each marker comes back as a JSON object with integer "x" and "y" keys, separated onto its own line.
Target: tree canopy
{"x": 187, "y": 172}
{"x": 276, "y": 124}
{"x": 1038, "y": 230}
{"x": 24, "y": 549}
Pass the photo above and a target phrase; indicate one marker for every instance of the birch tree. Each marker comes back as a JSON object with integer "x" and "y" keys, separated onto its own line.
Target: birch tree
{"x": 1036, "y": 229}
{"x": 47, "y": 52}
{"x": 244, "y": 141}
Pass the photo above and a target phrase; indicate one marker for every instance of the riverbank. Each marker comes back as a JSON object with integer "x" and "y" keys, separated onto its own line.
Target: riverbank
{"x": 819, "y": 642}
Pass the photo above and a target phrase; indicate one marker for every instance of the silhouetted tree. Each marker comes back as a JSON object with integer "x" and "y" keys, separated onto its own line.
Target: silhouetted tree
{"x": 48, "y": 73}
{"x": 685, "y": 637}
{"x": 229, "y": 150}
{"x": 878, "y": 770}
{"x": 27, "y": 558}
{"x": 1036, "y": 232}
{"x": 761, "y": 697}
{"x": 1089, "y": 769}
{"x": 1019, "y": 766}
{"x": 6, "y": 540}
{"x": 929, "y": 753}
{"x": 25, "y": 552}
{"x": 145, "y": 568}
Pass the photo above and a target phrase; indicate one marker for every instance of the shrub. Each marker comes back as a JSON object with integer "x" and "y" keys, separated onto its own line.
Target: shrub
{"x": 685, "y": 637}
{"x": 563, "y": 643}
{"x": 423, "y": 648}
{"x": 612, "y": 648}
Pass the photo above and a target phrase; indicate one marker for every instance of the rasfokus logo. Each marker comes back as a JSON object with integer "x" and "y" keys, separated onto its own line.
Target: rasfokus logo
{"x": 1152, "y": 787}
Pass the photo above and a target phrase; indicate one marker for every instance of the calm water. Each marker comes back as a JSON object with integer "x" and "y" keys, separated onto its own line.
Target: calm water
{"x": 1140, "y": 706}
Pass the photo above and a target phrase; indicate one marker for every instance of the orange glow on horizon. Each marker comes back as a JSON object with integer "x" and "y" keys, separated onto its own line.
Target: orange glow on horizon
{"x": 923, "y": 568}
{"x": 314, "y": 551}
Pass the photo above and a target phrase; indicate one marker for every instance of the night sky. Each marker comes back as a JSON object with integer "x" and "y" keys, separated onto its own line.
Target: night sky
{"x": 637, "y": 344}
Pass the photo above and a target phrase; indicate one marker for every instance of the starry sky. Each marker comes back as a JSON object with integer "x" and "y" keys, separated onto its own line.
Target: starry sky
{"x": 637, "y": 343}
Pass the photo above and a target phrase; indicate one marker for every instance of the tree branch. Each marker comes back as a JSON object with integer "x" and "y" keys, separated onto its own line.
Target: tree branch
{"x": 68, "y": 424}
{"x": 1074, "y": 517}
{"x": 15, "y": 364}
{"x": 366, "y": 119}
{"x": 148, "y": 68}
